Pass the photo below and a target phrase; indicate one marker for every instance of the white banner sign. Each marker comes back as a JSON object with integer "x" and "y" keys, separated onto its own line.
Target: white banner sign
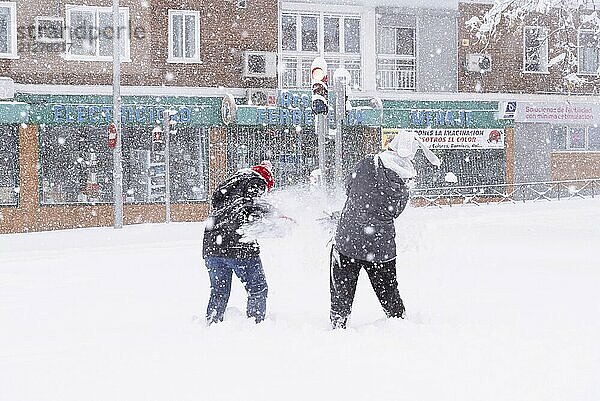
{"x": 455, "y": 138}
{"x": 557, "y": 113}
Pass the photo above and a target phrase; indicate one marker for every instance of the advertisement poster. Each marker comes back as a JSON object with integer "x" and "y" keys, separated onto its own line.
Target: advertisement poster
{"x": 557, "y": 113}
{"x": 468, "y": 138}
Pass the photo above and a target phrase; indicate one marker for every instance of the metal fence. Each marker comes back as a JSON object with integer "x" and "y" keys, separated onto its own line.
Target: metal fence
{"x": 511, "y": 193}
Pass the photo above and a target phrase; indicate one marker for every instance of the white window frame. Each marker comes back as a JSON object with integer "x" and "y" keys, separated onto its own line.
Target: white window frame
{"x": 49, "y": 40}
{"x": 12, "y": 7}
{"x": 96, "y": 10}
{"x": 579, "y": 47}
{"x": 303, "y": 57}
{"x": 542, "y": 50}
{"x": 585, "y": 138}
{"x": 397, "y": 75}
{"x": 184, "y": 13}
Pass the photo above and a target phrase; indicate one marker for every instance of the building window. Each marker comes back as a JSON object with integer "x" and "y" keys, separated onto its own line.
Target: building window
{"x": 396, "y": 62}
{"x": 288, "y": 33}
{"x": 9, "y": 164}
{"x": 305, "y": 36}
{"x": 558, "y": 138}
{"x": 535, "y": 47}
{"x": 49, "y": 29}
{"x": 351, "y": 35}
{"x": 144, "y": 164}
{"x": 576, "y": 138}
{"x": 594, "y": 139}
{"x": 331, "y": 32}
{"x": 76, "y": 165}
{"x": 90, "y": 33}
{"x": 8, "y": 29}
{"x": 588, "y": 52}
{"x": 184, "y": 36}
{"x": 309, "y": 36}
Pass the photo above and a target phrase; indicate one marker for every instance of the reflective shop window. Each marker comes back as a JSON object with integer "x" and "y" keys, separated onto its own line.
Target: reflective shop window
{"x": 9, "y": 164}
{"x": 558, "y": 138}
{"x": 77, "y": 165}
{"x": 144, "y": 164}
{"x": 594, "y": 139}
{"x": 576, "y": 138}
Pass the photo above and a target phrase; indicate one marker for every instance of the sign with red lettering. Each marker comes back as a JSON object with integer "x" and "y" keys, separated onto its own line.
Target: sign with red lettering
{"x": 471, "y": 138}
{"x": 557, "y": 112}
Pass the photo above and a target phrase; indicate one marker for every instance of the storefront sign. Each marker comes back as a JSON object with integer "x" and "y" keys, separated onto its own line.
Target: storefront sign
{"x": 454, "y": 138}
{"x": 440, "y": 118}
{"x": 99, "y": 114}
{"x": 295, "y": 109}
{"x": 557, "y": 113}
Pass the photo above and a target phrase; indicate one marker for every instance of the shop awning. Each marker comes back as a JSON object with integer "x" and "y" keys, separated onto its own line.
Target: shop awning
{"x": 14, "y": 112}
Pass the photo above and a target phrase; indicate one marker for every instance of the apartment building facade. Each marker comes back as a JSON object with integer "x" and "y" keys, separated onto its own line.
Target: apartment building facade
{"x": 56, "y": 64}
{"x": 551, "y": 104}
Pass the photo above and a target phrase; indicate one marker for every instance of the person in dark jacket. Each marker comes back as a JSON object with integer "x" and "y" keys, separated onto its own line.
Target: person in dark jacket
{"x": 225, "y": 252}
{"x": 365, "y": 236}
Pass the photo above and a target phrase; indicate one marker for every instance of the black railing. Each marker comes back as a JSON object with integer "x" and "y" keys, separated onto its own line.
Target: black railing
{"x": 498, "y": 193}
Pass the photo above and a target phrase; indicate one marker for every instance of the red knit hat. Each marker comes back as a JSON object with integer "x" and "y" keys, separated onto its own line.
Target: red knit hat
{"x": 264, "y": 169}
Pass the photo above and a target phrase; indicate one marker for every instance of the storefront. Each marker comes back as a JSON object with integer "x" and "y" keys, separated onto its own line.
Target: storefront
{"x": 467, "y": 136}
{"x": 557, "y": 140}
{"x": 64, "y": 178}
{"x": 284, "y": 133}
{"x": 65, "y": 175}
{"x": 12, "y": 115}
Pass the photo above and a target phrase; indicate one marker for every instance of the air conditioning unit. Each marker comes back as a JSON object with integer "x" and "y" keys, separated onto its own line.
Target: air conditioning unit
{"x": 477, "y": 62}
{"x": 261, "y": 97}
{"x": 7, "y": 88}
{"x": 260, "y": 64}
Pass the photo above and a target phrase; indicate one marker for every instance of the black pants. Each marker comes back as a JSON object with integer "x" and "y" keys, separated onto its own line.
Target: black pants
{"x": 342, "y": 284}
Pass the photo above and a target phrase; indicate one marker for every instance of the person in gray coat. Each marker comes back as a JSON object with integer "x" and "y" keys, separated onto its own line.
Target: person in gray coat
{"x": 365, "y": 236}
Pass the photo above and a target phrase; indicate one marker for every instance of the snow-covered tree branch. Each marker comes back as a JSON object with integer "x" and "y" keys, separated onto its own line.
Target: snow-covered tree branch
{"x": 572, "y": 37}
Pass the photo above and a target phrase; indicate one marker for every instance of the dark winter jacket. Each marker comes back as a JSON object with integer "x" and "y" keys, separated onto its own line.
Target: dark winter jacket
{"x": 376, "y": 196}
{"x": 234, "y": 204}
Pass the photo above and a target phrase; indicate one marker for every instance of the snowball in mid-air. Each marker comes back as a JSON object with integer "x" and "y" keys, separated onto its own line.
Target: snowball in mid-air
{"x": 451, "y": 177}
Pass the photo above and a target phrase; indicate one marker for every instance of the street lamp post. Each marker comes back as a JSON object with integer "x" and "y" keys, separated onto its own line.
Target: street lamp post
{"x": 341, "y": 79}
{"x": 117, "y": 164}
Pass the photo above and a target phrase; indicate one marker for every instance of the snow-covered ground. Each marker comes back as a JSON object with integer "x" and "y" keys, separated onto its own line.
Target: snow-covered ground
{"x": 502, "y": 305}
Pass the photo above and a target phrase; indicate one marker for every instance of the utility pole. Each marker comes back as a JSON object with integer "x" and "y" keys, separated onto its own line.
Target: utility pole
{"x": 167, "y": 134}
{"x": 117, "y": 164}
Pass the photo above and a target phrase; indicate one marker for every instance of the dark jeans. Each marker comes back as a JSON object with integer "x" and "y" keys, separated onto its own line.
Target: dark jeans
{"x": 250, "y": 272}
{"x": 342, "y": 284}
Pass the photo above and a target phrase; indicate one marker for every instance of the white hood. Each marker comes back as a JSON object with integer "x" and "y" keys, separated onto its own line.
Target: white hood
{"x": 406, "y": 145}
{"x": 400, "y": 165}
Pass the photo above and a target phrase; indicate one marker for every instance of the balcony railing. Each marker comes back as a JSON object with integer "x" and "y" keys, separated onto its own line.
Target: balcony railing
{"x": 396, "y": 74}
{"x": 499, "y": 193}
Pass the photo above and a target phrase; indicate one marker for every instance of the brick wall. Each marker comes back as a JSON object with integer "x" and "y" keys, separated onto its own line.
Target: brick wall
{"x": 575, "y": 165}
{"x": 506, "y": 51}
{"x": 225, "y": 33}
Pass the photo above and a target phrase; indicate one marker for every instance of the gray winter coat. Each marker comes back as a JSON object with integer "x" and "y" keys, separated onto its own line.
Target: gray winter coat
{"x": 376, "y": 196}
